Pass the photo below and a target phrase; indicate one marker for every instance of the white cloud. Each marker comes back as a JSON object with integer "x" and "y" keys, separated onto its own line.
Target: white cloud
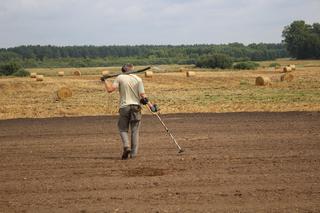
{"x": 77, "y": 22}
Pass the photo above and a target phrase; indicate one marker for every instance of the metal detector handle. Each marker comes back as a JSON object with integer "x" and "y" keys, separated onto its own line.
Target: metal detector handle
{"x": 166, "y": 128}
{"x": 132, "y": 72}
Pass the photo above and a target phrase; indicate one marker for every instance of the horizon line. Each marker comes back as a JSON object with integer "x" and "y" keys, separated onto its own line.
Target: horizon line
{"x": 135, "y": 45}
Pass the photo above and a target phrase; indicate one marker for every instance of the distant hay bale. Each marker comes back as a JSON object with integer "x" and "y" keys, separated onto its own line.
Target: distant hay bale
{"x": 64, "y": 92}
{"x": 77, "y": 73}
{"x": 61, "y": 73}
{"x": 105, "y": 72}
{"x": 275, "y": 78}
{"x": 33, "y": 75}
{"x": 39, "y": 77}
{"x": 287, "y": 69}
{"x": 293, "y": 67}
{"x": 148, "y": 74}
{"x": 181, "y": 69}
{"x": 190, "y": 73}
{"x": 287, "y": 77}
{"x": 263, "y": 81}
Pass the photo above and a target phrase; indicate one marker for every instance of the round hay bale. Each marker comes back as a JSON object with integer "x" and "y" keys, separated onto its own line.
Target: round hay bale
{"x": 190, "y": 73}
{"x": 61, "y": 73}
{"x": 148, "y": 74}
{"x": 64, "y": 92}
{"x": 287, "y": 69}
{"x": 77, "y": 73}
{"x": 33, "y": 75}
{"x": 293, "y": 67}
{"x": 263, "y": 81}
{"x": 286, "y": 77}
{"x": 105, "y": 72}
{"x": 39, "y": 77}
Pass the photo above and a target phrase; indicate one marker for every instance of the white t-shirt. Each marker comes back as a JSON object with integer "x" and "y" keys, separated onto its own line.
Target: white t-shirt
{"x": 130, "y": 87}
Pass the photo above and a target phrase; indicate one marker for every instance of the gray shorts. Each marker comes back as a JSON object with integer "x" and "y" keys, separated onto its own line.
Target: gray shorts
{"x": 128, "y": 114}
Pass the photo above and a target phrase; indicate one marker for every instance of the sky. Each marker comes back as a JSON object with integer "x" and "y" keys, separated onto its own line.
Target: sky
{"x": 134, "y": 22}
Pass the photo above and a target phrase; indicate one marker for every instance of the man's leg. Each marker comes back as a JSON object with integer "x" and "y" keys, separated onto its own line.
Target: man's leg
{"x": 125, "y": 139}
{"x": 134, "y": 137}
{"x": 123, "y": 125}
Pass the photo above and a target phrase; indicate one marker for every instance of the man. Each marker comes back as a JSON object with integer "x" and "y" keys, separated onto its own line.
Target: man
{"x": 132, "y": 94}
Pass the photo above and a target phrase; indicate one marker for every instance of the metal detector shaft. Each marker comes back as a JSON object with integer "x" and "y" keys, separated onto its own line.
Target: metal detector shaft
{"x": 132, "y": 72}
{"x": 167, "y": 130}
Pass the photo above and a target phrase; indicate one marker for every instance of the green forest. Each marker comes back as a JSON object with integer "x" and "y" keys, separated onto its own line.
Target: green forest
{"x": 91, "y": 56}
{"x": 300, "y": 41}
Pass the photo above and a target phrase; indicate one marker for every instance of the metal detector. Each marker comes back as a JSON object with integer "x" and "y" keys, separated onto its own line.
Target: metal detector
{"x": 167, "y": 130}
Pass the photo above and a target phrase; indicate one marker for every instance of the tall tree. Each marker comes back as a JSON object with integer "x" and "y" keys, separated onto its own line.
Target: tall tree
{"x": 302, "y": 40}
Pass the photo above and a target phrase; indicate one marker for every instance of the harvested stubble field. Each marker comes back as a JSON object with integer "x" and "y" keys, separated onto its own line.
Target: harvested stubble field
{"x": 218, "y": 91}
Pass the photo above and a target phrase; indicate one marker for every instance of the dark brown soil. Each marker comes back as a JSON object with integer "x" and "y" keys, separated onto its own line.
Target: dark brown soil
{"x": 233, "y": 162}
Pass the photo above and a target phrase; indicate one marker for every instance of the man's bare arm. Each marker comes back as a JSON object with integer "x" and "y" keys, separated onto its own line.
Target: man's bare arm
{"x": 109, "y": 87}
{"x": 143, "y": 95}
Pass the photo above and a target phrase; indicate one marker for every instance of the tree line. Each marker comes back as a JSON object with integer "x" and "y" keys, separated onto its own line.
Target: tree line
{"x": 301, "y": 41}
{"x": 85, "y": 56}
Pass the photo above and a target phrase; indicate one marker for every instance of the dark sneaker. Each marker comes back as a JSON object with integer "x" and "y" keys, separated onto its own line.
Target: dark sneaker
{"x": 126, "y": 152}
